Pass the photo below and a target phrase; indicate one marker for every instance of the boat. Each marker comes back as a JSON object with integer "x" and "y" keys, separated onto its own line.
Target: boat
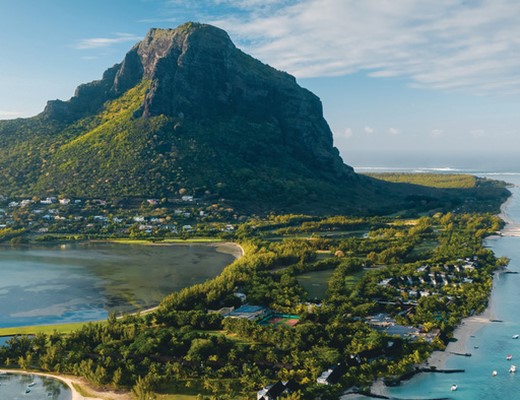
{"x": 509, "y": 357}
{"x": 494, "y": 373}
{"x": 515, "y": 336}
{"x": 454, "y": 387}
{"x": 27, "y": 391}
{"x": 512, "y": 370}
{"x": 31, "y": 384}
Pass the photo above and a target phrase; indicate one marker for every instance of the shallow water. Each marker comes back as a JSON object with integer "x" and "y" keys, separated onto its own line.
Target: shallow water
{"x": 82, "y": 282}
{"x": 491, "y": 343}
{"x": 32, "y": 387}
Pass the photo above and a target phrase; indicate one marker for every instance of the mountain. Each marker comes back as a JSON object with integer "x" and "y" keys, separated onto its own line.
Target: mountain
{"x": 188, "y": 112}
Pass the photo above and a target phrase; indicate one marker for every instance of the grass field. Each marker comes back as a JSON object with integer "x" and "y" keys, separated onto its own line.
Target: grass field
{"x": 445, "y": 181}
{"x": 150, "y": 242}
{"x": 316, "y": 282}
{"x": 47, "y": 329}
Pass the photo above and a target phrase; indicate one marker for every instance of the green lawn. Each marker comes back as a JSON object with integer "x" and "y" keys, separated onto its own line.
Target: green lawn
{"x": 316, "y": 282}
{"x": 47, "y": 329}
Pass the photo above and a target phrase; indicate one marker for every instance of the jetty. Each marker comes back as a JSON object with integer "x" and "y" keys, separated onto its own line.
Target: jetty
{"x": 460, "y": 354}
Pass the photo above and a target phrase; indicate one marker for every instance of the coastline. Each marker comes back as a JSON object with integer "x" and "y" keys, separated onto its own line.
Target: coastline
{"x": 73, "y": 383}
{"x": 468, "y": 326}
{"x": 512, "y": 228}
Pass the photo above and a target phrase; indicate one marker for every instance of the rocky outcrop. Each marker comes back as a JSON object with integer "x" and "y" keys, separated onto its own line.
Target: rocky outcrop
{"x": 198, "y": 74}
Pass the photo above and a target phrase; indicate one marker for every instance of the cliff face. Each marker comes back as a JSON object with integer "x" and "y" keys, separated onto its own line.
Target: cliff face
{"x": 197, "y": 74}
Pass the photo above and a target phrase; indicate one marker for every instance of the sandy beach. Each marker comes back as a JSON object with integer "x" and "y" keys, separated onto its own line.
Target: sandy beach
{"x": 512, "y": 228}
{"x": 73, "y": 382}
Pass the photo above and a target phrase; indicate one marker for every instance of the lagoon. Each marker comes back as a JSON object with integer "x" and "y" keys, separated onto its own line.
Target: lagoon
{"x": 28, "y": 386}
{"x": 87, "y": 281}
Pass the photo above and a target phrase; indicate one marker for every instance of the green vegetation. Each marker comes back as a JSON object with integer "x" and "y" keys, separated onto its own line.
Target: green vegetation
{"x": 183, "y": 349}
{"x": 445, "y": 181}
{"x": 42, "y": 329}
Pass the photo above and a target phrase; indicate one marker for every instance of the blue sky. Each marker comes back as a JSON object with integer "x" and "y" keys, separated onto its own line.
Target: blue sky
{"x": 423, "y": 82}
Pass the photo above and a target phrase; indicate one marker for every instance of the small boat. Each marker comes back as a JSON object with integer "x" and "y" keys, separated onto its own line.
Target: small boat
{"x": 512, "y": 370}
{"x": 494, "y": 373}
{"x": 509, "y": 357}
{"x": 454, "y": 387}
{"x": 515, "y": 336}
{"x": 31, "y": 384}
{"x": 27, "y": 391}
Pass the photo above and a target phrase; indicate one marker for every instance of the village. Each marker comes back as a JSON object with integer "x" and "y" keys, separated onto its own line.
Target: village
{"x": 99, "y": 217}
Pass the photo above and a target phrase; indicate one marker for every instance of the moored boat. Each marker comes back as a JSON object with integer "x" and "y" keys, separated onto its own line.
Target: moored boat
{"x": 454, "y": 387}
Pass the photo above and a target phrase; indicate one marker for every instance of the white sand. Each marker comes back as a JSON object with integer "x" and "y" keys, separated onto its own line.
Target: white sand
{"x": 71, "y": 381}
{"x": 512, "y": 228}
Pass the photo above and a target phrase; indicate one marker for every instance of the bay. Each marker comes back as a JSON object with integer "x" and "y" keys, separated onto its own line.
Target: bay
{"x": 28, "y": 386}
{"x": 87, "y": 281}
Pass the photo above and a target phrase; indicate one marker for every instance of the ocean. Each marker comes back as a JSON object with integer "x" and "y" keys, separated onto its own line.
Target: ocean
{"x": 490, "y": 345}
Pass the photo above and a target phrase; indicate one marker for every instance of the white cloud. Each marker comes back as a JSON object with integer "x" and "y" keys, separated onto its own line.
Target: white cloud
{"x": 437, "y": 133}
{"x": 442, "y": 44}
{"x": 368, "y": 130}
{"x": 11, "y": 114}
{"x": 96, "y": 43}
{"x": 347, "y": 133}
{"x": 393, "y": 131}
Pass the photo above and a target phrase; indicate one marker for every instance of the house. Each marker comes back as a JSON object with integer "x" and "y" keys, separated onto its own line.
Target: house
{"x": 64, "y": 202}
{"x": 229, "y": 228}
{"x": 332, "y": 375}
{"x": 187, "y": 228}
{"x": 153, "y": 202}
{"x": 249, "y": 312}
{"x": 187, "y": 198}
{"x": 271, "y": 392}
{"x": 385, "y": 282}
{"x": 241, "y": 296}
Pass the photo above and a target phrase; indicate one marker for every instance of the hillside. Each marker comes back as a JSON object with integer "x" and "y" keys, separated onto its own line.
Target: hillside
{"x": 188, "y": 112}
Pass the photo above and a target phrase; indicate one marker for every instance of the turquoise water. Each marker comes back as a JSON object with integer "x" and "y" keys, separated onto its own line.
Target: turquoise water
{"x": 84, "y": 282}
{"x": 32, "y": 387}
{"x": 494, "y": 340}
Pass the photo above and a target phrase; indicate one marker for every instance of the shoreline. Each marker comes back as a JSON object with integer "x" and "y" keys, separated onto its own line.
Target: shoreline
{"x": 72, "y": 382}
{"x": 469, "y": 326}
{"x": 511, "y": 228}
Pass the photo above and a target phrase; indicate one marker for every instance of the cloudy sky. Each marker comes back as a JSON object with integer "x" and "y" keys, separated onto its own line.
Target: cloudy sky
{"x": 403, "y": 82}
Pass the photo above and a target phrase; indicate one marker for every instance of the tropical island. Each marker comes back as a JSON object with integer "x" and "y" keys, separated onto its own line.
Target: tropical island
{"x": 345, "y": 278}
